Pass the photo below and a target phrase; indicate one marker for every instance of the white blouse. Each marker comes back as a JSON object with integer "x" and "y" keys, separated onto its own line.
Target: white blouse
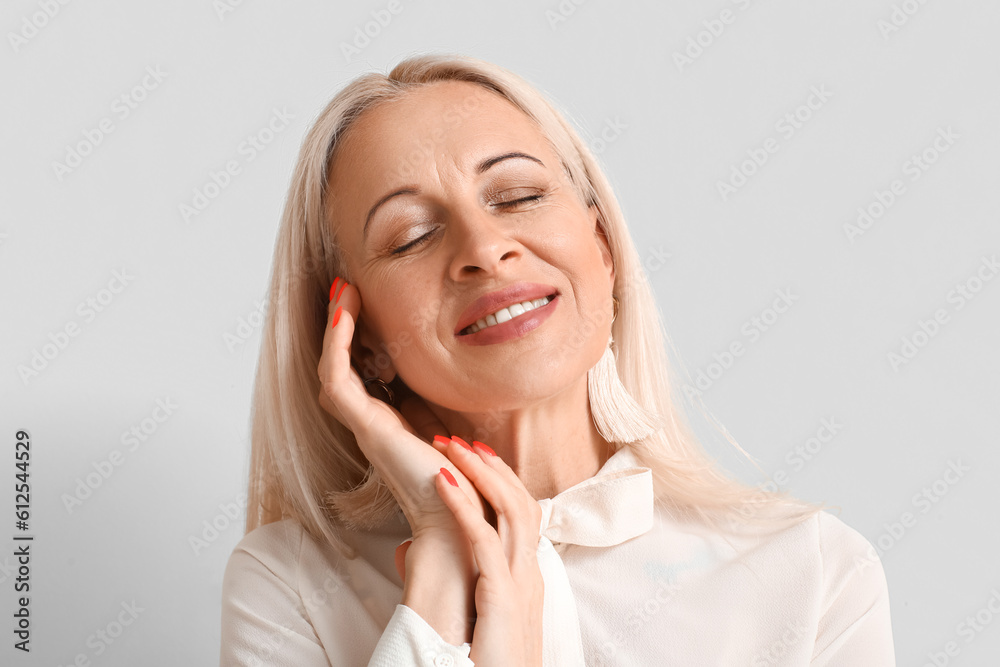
{"x": 626, "y": 583}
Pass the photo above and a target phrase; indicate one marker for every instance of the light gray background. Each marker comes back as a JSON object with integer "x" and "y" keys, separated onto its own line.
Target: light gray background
{"x": 680, "y": 131}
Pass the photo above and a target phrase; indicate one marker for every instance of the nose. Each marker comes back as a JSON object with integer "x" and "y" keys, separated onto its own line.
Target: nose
{"x": 482, "y": 245}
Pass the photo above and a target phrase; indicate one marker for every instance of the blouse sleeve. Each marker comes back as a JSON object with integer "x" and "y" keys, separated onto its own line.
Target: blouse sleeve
{"x": 855, "y": 627}
{"x": 409, "y": 640}
{"x": 265, "y": 620}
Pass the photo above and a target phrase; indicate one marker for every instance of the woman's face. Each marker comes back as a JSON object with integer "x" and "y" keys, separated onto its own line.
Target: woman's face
{"x": 451, "y": 207}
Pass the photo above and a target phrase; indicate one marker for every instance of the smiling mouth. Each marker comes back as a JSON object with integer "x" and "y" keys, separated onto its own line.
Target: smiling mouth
{"x": 506, "y": 314}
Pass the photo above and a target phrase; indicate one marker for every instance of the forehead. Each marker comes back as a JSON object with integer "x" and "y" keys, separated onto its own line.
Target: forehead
{"x": 450, "y": 125}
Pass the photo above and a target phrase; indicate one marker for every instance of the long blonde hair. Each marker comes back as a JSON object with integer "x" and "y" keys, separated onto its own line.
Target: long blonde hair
{"x": 306, "y": 465}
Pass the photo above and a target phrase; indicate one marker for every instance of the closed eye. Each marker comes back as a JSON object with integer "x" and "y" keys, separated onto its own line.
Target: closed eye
{"x": 413, "y": 244}
{"x": 516, "y": 202}
{"x": 504, "y": 205}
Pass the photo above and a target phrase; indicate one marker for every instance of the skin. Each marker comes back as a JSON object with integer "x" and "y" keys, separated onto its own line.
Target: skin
{"x": 455, "y": 235}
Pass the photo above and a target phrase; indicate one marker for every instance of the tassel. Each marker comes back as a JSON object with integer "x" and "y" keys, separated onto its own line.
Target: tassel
{"x": 616, "y": 414}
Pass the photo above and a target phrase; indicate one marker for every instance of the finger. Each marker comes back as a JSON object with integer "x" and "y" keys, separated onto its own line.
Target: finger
{"x": 401, "y": 559}
{"x": 440, "y": 443}
{"x": 518, "y": 514}
{"x": 486, "y": 545}
{"x": 342, "y": 293}
{"x": 417, "y": 413}
{"x": 492, "y": 477}
{"x": 499, "y": 465}
{"x": 345, "y": 304}
{"x": 342, "y": 392}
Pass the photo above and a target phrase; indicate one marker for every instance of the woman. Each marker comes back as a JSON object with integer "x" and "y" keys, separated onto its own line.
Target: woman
{"x": 453, "y": 268}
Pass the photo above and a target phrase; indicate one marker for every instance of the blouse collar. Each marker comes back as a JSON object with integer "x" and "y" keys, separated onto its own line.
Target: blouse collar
{"x": 611, "y": 507}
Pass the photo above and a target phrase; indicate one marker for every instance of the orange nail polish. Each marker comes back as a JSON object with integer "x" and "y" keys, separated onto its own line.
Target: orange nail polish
{"x": 333, "y": 287}
{"x": 341, "y": 290}
{"x": 441, "y": 440}
{"x": 448, "y": 476}
{"x": 461, "y": 442}
{"x": 483, "y": 447}
{"x": 336, "y": 316}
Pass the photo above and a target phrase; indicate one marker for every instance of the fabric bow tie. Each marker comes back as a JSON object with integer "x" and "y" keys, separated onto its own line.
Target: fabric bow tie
{"x": 603, "y": 511}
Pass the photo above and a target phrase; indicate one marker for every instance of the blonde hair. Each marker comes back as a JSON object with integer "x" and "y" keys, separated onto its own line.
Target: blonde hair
{"x": 306, "y": 465}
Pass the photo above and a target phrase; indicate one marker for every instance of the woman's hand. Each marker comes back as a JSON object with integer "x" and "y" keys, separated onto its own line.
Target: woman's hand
{"x": 509, "y": 592}
{"x": 438, "y": 569}
{"x": 387, "y": 439}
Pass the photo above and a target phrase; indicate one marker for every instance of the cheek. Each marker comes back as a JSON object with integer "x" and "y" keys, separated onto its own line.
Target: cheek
{"x": 392, "y": 315}
{"x": 403, "y": 322}
{"x": 579, "y": 253}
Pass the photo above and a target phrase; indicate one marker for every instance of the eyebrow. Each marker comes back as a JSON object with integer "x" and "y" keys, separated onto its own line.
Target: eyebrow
{"x": 489, "y": 162}
{"x": 371, "y": 211}
{"x": 480, "y": 168}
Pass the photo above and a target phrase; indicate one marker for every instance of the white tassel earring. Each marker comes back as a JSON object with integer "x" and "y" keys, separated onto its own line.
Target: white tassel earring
{"x": 616, "y": 414}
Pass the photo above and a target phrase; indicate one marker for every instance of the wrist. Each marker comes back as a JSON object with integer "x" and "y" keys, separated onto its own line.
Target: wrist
{"x": 440, "y": 584}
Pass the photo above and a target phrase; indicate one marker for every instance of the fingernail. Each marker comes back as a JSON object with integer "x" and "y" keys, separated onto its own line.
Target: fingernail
{"x": 483, "y": 447}
{"x": 333, "y": 287}
{"x": 336, "y": 316}
{"x": 441, "y": 440}
{"x": 461, "y": 442}
{"x": 448, "y": 476}
{"x": 340, "y": 290}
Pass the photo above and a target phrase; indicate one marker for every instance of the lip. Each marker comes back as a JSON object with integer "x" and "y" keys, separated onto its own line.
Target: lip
{"x": 508, "y": 296}
{"x": 513, "y": 328}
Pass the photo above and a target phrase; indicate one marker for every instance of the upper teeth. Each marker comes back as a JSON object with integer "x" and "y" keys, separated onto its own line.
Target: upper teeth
{"x": 508, "y": 313}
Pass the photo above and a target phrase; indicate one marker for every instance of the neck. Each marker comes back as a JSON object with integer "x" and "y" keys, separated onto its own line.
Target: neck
{"x": 550, "y": 446}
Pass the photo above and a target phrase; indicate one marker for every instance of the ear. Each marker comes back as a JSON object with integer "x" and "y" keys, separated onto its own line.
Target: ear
{"x": 605, "y": 245}
{"x": 369, "y": 353}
